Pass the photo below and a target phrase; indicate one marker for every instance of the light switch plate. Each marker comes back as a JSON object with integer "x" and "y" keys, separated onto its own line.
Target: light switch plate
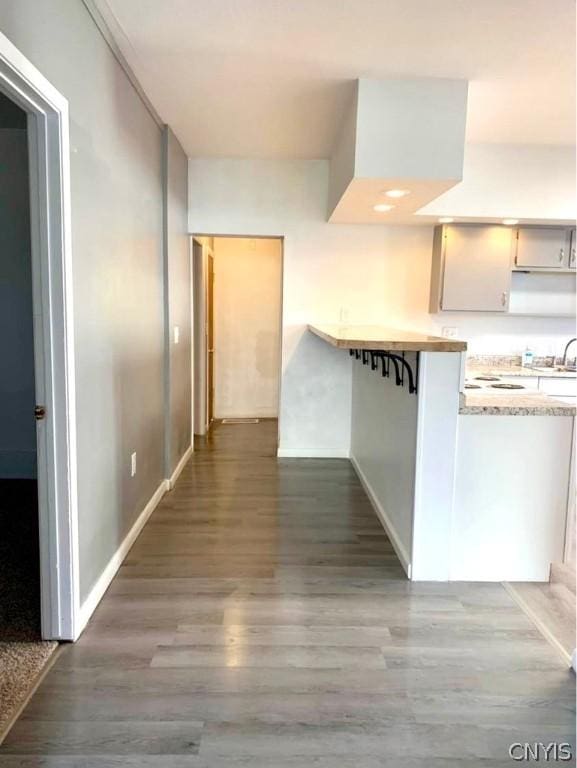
{"x": 176, "y": 334}
{"x": 132, "y": 464}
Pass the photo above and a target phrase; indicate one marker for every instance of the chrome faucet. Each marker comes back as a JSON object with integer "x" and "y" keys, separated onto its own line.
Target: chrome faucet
{"x": 565, "y": 352}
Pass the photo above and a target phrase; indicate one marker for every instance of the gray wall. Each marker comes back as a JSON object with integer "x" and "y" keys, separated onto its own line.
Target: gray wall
{"x": 116, "y": 175}
{"x": 178, "y": 423}
{"x": 17, "y": 425}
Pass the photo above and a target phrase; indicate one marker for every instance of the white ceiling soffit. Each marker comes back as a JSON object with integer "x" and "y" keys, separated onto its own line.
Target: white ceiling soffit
{"x": 398, "y": 136}
{"x": 535, "y": 184}
{"x": 271, "y": 78}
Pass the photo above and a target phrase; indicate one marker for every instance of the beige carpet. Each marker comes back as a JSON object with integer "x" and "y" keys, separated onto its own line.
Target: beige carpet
{"x": 20, "y": 665}
{"x": 23, "y": 654}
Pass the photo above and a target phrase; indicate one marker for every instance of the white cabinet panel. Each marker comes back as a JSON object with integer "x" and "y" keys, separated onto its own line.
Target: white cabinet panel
{"x": 476, "y": 268}
{"x": 542, "y": 247}
{"x": 510, "y": 497}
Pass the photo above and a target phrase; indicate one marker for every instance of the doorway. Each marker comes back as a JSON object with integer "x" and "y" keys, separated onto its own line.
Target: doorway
{"x": 238, "y": 327}
{"x": 40, "y": 287}
{"x": 22, "y": 652}
{"x": 20, "y": 571}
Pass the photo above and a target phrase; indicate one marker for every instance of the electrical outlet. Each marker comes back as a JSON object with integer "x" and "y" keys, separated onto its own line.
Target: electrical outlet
{"x": 176, "y": 334}
{"x": 449, "y": 332}
{"x": 132, "y": 464}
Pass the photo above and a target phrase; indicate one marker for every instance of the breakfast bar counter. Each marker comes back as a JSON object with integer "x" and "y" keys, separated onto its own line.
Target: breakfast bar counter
{"x": 461, "y": 498}
{"x": 404, "y": 414}
{"x": 377, "y": 337}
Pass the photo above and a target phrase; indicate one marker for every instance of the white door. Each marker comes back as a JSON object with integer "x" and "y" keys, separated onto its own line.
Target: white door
{"x": 247, "y": 325}
{"x": 477, "y": 268}
{"x": 542, "y": 247}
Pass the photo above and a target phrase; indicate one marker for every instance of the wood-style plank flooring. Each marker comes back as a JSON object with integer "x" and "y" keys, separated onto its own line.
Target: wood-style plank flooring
{"x": 262, "y": 620}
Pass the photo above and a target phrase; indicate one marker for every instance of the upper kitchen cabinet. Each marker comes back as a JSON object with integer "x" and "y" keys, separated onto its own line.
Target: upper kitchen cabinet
{"x": 471, "y": 268}
{"x": 543, "y": 248}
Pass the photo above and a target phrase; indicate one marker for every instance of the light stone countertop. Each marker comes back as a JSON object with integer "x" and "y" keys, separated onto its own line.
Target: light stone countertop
{"x": 474, "y": 369}
{"x": 530, "y": 404}
{"x": 378, "y": 337}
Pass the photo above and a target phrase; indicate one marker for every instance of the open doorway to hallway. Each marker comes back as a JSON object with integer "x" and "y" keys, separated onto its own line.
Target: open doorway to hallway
{"x": 237, "y": 329}
{"x": 22, "y": 653}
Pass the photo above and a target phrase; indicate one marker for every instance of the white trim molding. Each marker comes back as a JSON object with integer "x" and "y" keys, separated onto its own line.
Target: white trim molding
{"x": 313, "y": 453}
{"x": 398, "y": 546}
{"x": 49, "y": 162}
{"x": 97, "y": 592}
{"x": 116, "y": 39}
{"x": 171, "y": 481}
{"x": 541, "y": 625}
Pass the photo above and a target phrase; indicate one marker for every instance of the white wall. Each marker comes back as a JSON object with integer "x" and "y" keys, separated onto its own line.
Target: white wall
{"x": 369, "y": 273}
{"x": 247, "y": 314}
{"x": 326, "y": 267}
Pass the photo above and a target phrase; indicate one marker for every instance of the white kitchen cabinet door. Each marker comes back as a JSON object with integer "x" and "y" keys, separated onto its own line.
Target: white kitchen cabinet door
{"x": 542, "y": 247}
{"x": 476, "y": 268}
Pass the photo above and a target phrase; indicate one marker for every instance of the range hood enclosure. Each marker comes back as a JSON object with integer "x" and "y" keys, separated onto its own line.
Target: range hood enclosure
{"x": 403, "y": 134}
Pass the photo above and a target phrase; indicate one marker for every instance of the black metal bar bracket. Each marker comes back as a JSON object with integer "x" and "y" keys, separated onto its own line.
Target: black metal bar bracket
{"x": 403, "y": 368}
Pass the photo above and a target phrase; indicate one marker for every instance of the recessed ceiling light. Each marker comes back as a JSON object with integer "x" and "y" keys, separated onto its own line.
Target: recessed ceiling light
{"x": 510, "y": 222}
{"x": 397, "y": 192}
{"x": 382, "y": 207}
{"x": 446, "y": 219}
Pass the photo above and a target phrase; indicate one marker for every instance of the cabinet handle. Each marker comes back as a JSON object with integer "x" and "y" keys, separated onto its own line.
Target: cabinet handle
{"x": 561, "y": 254}
{"x": 504, "y": 299}
{"x": 572, "y": 257}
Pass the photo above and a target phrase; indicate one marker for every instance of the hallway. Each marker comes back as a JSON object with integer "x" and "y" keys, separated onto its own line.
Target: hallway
{"x": 262, "y": 620}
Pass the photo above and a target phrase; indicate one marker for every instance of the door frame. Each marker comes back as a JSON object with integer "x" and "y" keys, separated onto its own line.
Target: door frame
{"x": 199, "y": 253}
{"x": 200, "y": 239}
{"x": 50, "y": 216}
{"x": 210, "y": 372}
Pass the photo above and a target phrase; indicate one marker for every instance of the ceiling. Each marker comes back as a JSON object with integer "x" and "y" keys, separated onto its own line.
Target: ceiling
{"x": 272, "y": 78}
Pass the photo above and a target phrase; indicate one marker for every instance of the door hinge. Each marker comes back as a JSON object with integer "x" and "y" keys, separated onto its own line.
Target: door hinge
{"x": 40, "y": 412}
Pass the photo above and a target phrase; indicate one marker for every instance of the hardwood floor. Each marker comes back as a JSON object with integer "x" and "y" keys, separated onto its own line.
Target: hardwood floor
{"x": 262, "y": 620}
{"x": 551, "y": 607}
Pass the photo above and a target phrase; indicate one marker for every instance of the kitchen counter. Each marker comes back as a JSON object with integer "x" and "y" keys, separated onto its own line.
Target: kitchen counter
{"x": 527, "y": 404}
{"x": 378, "y": 337}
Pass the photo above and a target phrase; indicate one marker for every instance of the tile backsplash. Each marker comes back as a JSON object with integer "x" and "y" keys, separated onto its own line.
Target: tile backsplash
{"x": 513, "y": 360}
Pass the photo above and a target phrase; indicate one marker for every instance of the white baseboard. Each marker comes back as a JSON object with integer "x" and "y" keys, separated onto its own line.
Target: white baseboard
{"x": 313, "y": 453}
{"x": 179, "y": 467}
{"x": 568, "y": 658}
{"x": 398, "y": 546}
{"x": 96, "y": 593}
